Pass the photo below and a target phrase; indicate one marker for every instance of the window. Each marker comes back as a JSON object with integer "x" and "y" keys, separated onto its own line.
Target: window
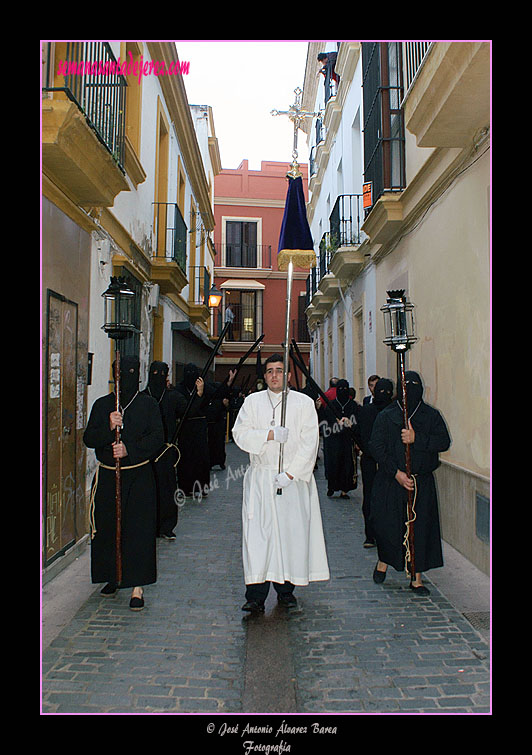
{"x": 241, "y": 243}
{"x": 246, "y": 308}
{"x": 382, "y": 87}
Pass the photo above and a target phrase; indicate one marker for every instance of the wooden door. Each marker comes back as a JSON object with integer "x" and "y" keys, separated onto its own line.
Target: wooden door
{"x": 60, "y": 428}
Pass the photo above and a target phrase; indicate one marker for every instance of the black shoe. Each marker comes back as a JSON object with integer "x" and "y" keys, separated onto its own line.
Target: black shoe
{"x": 136, "y": 604}
{"x": 420, "y": 590}
{"x": 330, "y": 493}
{"x": 253, "y": 606}
{"x": 108, "y": 590}
{"x": 287, "y": 600}
{"x": 379, "y": 576}
{"x": 168, "y": 535}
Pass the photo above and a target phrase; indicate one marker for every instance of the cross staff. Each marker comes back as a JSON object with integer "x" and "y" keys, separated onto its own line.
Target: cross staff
{"x": 295, "y": 242}
{"x": 297, "y": 115}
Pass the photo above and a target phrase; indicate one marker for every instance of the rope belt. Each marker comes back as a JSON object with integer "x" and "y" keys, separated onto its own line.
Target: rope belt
{"x": 92, "y": 523}
{"x": 408, "y": 557}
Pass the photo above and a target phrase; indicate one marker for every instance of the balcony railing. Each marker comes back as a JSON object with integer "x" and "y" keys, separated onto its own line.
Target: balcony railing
{"x": 200, "y": 280}
{"x": 94, "y": 85}
{"x": 300, "y": 330}
{"x": 414, "y": 53}
{"x": 243, "y": 255}
{"x": 345, "y": 221}
{"x": 170, "y": 234}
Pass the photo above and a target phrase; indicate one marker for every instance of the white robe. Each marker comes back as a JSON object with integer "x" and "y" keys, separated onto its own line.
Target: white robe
{"x": 282, "y": 534}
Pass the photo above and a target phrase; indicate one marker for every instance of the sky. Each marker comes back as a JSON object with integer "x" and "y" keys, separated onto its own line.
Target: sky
{"x": 243, "y": 81}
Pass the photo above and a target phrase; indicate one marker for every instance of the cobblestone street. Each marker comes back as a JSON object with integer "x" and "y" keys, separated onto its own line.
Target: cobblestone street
{"x": 351, "y": 646}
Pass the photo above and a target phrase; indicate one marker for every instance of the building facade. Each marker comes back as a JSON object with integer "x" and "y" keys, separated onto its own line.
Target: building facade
{"x": 249, "y": 208}
{"x": 409, "y": 123}
{"x": 128, "y": 173}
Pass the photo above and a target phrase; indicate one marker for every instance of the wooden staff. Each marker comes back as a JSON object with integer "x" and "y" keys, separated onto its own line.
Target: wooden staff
{"x": 118, "y": 486}
{"x": 410, "y": 505}
{"x": 298, "y": 359}
{"x": 203, "y": 374}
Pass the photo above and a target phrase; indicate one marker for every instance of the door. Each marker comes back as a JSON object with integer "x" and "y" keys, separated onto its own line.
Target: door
{"x": 60, "y": 429}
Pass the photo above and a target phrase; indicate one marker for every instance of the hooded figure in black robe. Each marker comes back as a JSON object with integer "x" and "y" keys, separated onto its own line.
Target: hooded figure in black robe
{"x": 142, "y": 435}
{"x": 171, "y": 403}
{"x": 367, "y": 415}
{"x": 338, "y": 441}
{"x": 216, "y": 413}
{"x": 193, "y": 469}
{"x": 388, "y": 511}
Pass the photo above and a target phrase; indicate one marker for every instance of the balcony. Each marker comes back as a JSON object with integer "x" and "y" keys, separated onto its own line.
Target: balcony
{"x": 198, "y": 299}
{"x": 169, "y": 249}
{"x": 449, "y": 98}
{"x": 345, "y": 224}
{"x": 252, "y": 256}
{"x": 83, "y": 126}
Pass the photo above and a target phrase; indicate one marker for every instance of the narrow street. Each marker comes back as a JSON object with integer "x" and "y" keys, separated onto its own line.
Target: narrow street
{"x": 351, "y": 646}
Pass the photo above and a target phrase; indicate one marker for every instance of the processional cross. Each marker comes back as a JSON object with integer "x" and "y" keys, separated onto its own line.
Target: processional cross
{"x": 297, "y": 115}
{"x": 295, "y": 243}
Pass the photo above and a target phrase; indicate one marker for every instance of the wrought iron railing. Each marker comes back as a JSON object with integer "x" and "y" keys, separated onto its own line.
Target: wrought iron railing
{"x": 345, "y": 221}
{"x": 243, "y": 255}
{"x": 200, "y": 281}
{"x": 93, "y": 83}
{"x": 300, "y": 330}
{"x": 414, "y": 53}
{"x": 170, "y": 234}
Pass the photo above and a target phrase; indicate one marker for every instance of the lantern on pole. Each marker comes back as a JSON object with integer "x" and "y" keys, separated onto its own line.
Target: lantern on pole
{"x": 118, "y": 324}
{"x": 399, "y": 330}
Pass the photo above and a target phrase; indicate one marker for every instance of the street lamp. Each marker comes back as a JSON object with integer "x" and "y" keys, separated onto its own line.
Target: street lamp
{"x": 215, "y": 297}
{"x": 118, "y": 310}
{"x": 399, "y": 327}
{"x": 118, "y": 324}
{"x": 400, "y": 335}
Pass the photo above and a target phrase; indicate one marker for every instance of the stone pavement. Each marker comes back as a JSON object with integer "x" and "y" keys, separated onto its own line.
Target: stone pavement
{"x": 350, "y": 647}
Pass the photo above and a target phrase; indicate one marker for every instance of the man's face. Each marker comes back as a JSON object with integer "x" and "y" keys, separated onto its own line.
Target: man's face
{"x": 274, "y": 376}
{"x": 372, "y": 384}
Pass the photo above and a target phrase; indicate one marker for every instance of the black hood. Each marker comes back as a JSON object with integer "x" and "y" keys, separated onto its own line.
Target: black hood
{"x": 414, "y": 390}
{"x": 382, "y": 393}
{"x": 342, "y": 392}
{"x": 129, "y": 378}
{"x": 157, "y": 379}
{"x": 190, "y": 375}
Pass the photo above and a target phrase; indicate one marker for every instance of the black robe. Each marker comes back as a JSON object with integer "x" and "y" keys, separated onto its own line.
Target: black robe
{"x": 389, "y": 499}
{"x": 338, "y": 447}
{"x": 171, "y": 405}
{"x": 193, "y": 469}
{"x": 142, "y": 435}
{"x": 366, "y": 417}
{"x": 216, "y": 413}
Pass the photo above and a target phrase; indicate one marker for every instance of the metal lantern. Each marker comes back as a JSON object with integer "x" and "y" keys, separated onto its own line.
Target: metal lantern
{"x": 399, "y": 327}
{"x": 118, "y": 310}
{"x": 215, "y": 297}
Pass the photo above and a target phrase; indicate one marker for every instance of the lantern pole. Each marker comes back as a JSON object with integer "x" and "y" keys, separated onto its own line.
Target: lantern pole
{"x": 118, "y": 328}
{"x": 400, "y": 339}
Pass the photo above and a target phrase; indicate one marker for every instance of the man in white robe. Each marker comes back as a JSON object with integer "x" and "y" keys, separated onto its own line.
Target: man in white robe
{"x": 283, "y": 538}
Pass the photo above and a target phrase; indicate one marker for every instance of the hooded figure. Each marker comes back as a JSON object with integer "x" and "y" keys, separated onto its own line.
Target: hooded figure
{"x": 171, "y": 404}
{"x": 142, "y": 436}
{"x": 389, "y": 495}
{"x": 338, "y": 441}
{"x": 382, "y": 397}
{"x": 129, "y": 378}
{"x": 193, "y": 469}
